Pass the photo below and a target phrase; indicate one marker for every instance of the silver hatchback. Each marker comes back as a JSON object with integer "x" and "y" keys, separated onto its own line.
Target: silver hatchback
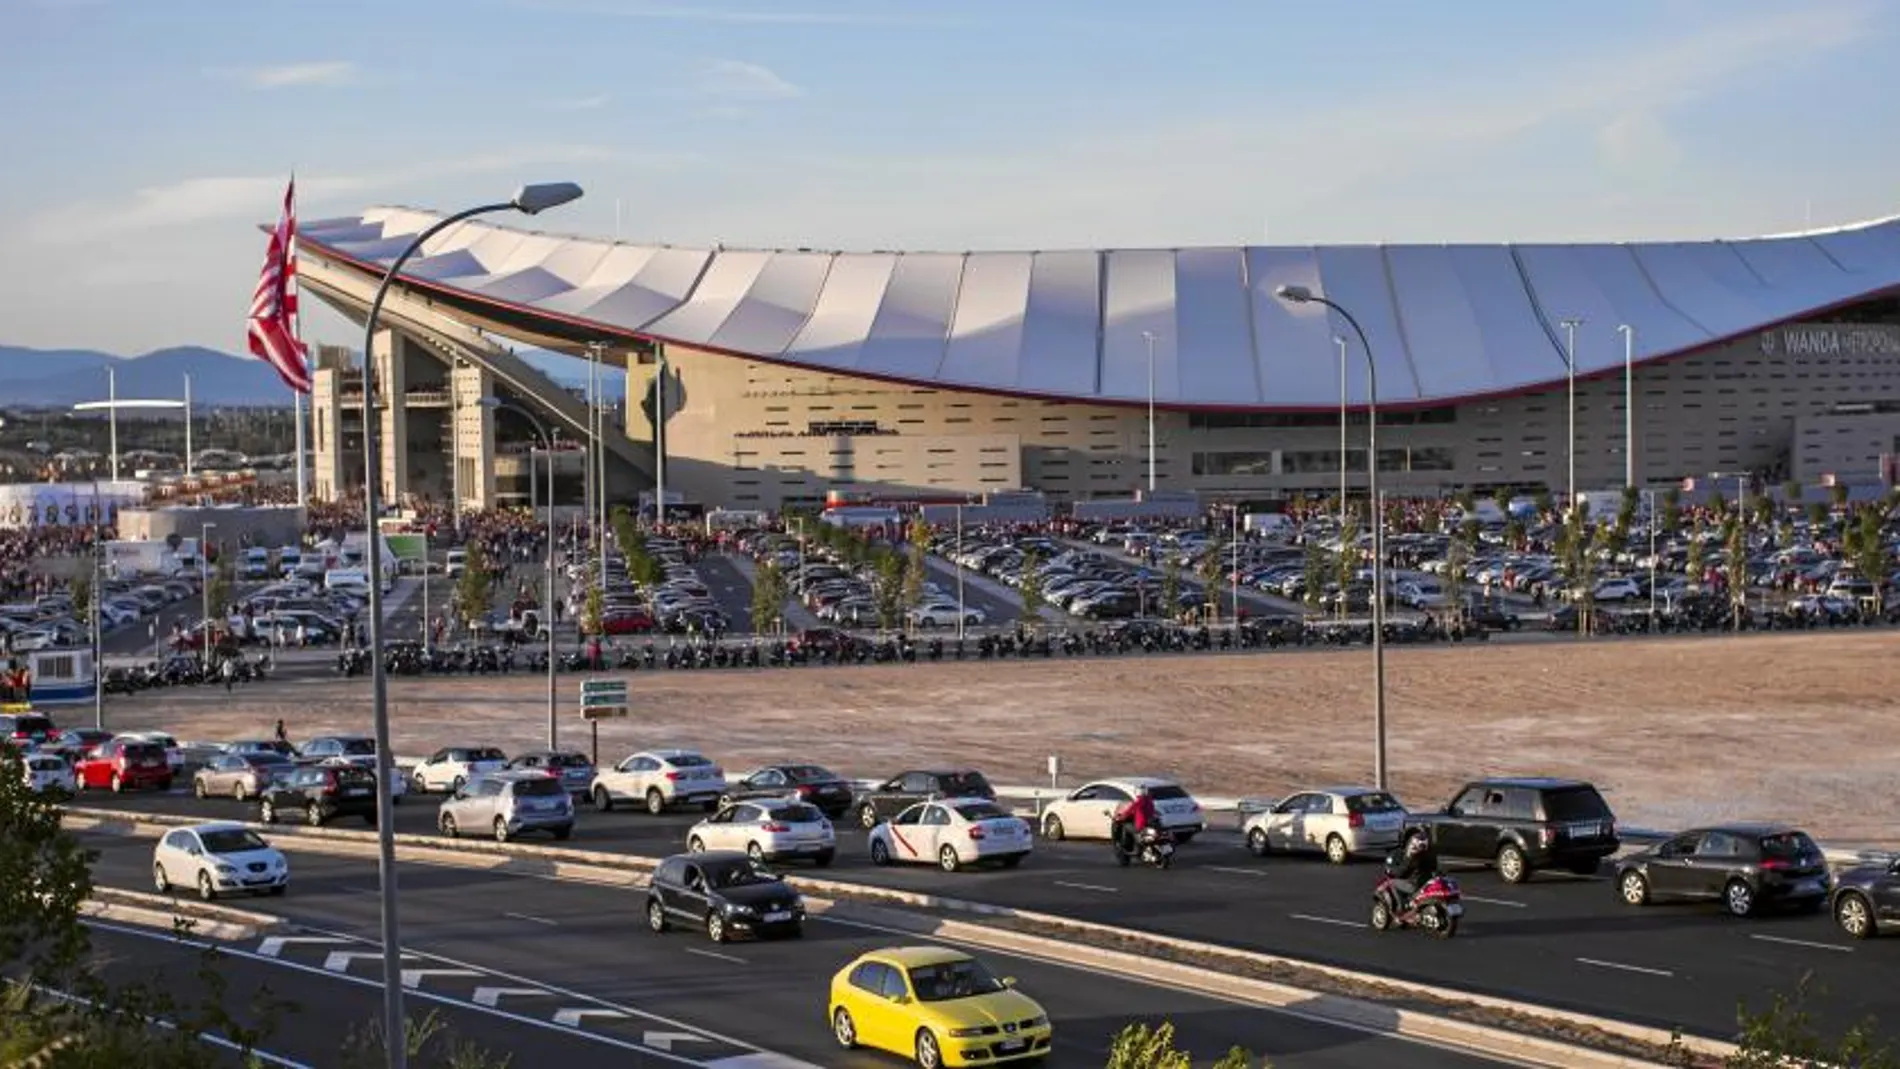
{"x": 506, "y": 804}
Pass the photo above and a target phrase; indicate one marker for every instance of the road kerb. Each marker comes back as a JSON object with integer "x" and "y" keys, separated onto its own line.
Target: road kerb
{"x": 203, "y": 920}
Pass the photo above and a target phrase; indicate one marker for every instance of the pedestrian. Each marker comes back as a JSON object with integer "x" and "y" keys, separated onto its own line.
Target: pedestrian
{"x": 281, "y": 735}
{"x": 229, "y": 671}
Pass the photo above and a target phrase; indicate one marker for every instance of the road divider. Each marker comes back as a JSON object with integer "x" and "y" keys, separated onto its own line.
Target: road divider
{"x": 202, "y": 919}
{"x": 1533, "y": 1033}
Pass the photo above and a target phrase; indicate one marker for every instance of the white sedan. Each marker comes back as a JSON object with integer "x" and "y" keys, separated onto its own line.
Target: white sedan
{"x": 218, "y": 859}
{"x": 1336, "y": 821}
{"x": 448, "y": 768}
{"x": 1089, "y": 811}
{"x": 46, "y": 771}
{"x": 768, "y": 830}
{"x": 952, "y": 833}
{"x": 944, "y": 614}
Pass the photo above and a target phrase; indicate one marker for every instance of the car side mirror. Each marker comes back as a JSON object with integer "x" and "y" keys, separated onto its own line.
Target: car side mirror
{"x": 901, "y": 1000}
{"x": 1893, "y": 869}
{"x": 1009, "y": 981}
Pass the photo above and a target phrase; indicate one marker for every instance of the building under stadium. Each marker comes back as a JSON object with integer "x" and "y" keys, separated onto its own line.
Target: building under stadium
{"x": 791, "y": 373}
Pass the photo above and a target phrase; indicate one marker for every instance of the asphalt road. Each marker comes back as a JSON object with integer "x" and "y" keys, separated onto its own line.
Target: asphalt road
{"x": 1560, "y": 940}
{"x": 585, "y": 950}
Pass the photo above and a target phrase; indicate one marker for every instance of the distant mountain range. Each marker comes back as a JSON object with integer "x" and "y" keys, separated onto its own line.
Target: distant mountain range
{"x": 61, "y": 377}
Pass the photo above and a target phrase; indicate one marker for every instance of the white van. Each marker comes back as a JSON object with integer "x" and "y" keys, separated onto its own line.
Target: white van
{"x": 352, "y": 581}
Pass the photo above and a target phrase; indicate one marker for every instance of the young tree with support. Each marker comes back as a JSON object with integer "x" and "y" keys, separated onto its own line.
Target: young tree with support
{"x": 1212, "y": 573}
{"x": 1031, "y": 590}
{"x": 769, "y": 592}
{"x": 916, "y": 568}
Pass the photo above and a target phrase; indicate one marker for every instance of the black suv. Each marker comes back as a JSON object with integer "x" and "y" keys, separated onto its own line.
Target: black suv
{"x": 905, "y": 789}
{"x": 726, "y": 893}
{"x": 320, "y": 793}
{"x": 1521, "y": 825}
{"x": 816, "y": 784}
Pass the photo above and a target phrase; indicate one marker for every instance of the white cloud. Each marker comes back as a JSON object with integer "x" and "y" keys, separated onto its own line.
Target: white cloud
{"x": 737, "y": 78}
{"x": 588, "y": 103}
{"x": 1638, "y": 141}
{"x": 291, "y": 75}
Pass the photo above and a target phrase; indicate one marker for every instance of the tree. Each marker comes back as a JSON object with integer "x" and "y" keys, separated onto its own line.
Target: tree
{"x": 1762, "y": 508}
{"x": 1313, "y": 577}
{"x": 82, "y": 598}
{"x": 1626, "y": 513}
{"x": 1791, "y": 493}
{"x": 1818, "y": 513}
{"x": 593, "y": 611}
{"x": 1346, "y": 565}
{"x": 1698, "y": 554}
{"x": 1735, "y": 542}
{"x": 218, "y": 591}
{"x": 1140, "y": 1047}
{"x": 1212, "y": 572}
{"x": 1031, "y": 589}
{"x": 1866, "y": 546}
{"x": 1838, "y": 495}
{"x": 887, "y": 590}
{"x": 1671, "y": 511}
{"x": 1784, "y": 1036}
{"x": 1544, "y": 503}
{"x": 1514, "y": 533}
{"x": 472, "y": 587}
{"x": 768, "y": 598}
{"x": 1576, "y": 562}
{"x": 1718, "y": 503}
{"x": 1457, "y": 559}
{"x": 916, "y": 571}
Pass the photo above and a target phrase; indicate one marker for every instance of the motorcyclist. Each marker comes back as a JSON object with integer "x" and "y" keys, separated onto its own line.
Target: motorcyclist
{"x": 1135, "y": 816}
{"x": 1418, "y": 864}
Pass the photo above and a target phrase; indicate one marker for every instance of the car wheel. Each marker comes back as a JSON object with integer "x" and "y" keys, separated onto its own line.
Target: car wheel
{"x": 880, "y": 853}
{"x": 1634, "y": 888}
{"x": 1258, "y": 843}
{"x": 696, "y": 845}
{"x": 656, "y": 802}
{"x": 563, "y": 833}
{"x": 716, "y": 927}
{"x": 823, "y": 859}
{"x": 1738, "y": 898}
{"x": 843, "y": 1028}
{"x": 267, "y": 812}
{"x": 929, "y": 1056}
{"x": 1512, "y": 868}
{"x": 867, "y": 817}
{"x": 1852, "y": 912}
{"x": 1052, "y": 829}
{"x": 241, "y": 792}
{"x": 314, "y": 814}
{"x": 417, "y": 784}
{"x": 278, "y": 891}
{"x": 656, "y": 916}
{"x": 948, "y": 860}
{"x": 205, "y": 889}
{"x": 1336, "y": 851}
{"x": 755, "y": 852}
{"x": 118, "y": 785}
{"x": 501, "y": 831}
{"x": 457, "y": 784}
{"x": 446, "y": 822}
{"x": 602, "y": 800}
{"x": 198, "y": 788}
{"x": 159, "y": 881}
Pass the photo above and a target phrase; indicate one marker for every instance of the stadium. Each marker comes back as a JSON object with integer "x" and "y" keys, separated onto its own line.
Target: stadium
{"x": 791, "y": 374}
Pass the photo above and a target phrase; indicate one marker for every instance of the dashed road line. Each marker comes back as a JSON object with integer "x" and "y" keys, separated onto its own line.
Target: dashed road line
{"x": 414, "y": 977}
{"x": 1326, "y": 920}
{"x": 490, "y": 996}
{"x": 1497, "y": 902}
{"x": 715, "y": 954}
{"x": 274, "y": 945}
{"x": 340, "y": 960}
{"x": 1785, "y": 941}
{"x": 574, "y": 1015}
{"x": 1233, "y": 871}
{"x": 533, "y": 919}
{"x": 1625, "y": 968}
{"x": 1088, "y": 887}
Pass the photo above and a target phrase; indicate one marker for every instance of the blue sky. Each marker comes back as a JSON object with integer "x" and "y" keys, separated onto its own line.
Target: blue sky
{"x": 145, "y": 139}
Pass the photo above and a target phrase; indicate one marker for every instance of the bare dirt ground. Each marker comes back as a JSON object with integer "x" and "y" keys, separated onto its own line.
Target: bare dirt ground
{"x": 1804, "y": 728}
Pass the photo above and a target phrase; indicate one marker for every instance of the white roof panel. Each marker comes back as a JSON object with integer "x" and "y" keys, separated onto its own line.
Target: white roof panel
{"x": 720, "y": 290}
{"x": 912, "y": 327}
{"x": 1212, "y": 318}
{"x": 1441, "y": 321}
{"x": 1061, "y": 324}
{"x": 613, "y": 270}
{"x": 846, "y": 308}
{"x": 1516, "y": 342}
{"x": 1354, "y": 276}
{"x": 1140, "y": 301}
{"x": 776, "y": 306}
{"x": 660, "y": 284}
{"x": 986, "y": 337}
{"x": 1709, "y": 283}
{"x": 1299, "y": 365}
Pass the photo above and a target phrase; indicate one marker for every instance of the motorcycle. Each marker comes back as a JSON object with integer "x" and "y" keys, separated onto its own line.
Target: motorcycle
{"x": 1154, "y": 847}
{"x": 1434, "y": 908}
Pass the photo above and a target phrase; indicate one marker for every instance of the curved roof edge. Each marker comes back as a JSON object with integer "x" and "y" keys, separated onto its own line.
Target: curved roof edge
{"x": 1445, "y": 322}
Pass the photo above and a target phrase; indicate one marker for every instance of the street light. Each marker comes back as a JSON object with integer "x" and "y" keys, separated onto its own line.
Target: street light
{"x": 1341, "y": 342}
{"x": 659, "y": 439}
{"x": 1629, "y": 403}
{"x": 547, "y": 604}
{"x": 98, "y": 617}
{"x": 1303, "y": 295}
{"x": 530, "y": 200}
{"x": 1570, "y": 326}
{"x": 957, "y": 559}
{"x": 1149, "y": 337}
{"x": 204, "y": 590}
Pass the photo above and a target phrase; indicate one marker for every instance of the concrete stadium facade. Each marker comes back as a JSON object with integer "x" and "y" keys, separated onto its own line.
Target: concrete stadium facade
{"x": 940, "y": 375}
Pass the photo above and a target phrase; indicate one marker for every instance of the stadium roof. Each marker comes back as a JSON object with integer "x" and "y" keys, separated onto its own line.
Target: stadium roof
{"x": 1446, "y": 322}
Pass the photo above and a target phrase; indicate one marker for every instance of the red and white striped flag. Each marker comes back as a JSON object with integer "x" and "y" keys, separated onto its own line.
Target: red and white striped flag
{"x": 273, "y": 328}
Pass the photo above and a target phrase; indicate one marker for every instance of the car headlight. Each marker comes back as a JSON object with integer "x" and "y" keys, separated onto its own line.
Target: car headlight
{"x": 1041, "y": 1020}
{"x": 966, "y": 1033}
{"x": 739, "y": 910}
{"x": 227, "y": 870}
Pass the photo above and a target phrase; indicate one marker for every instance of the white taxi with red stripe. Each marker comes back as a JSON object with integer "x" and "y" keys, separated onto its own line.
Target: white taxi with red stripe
{"x": 951, "y": 833}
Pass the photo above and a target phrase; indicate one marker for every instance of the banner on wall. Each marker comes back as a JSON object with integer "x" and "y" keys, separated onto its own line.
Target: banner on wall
{"x": 66, "y": 504}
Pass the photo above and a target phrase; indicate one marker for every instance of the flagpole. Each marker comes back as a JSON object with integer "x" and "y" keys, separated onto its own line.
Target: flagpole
{"x": 296, "y": 396}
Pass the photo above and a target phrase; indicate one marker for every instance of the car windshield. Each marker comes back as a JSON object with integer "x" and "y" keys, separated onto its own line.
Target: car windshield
{"x": 538, "y": 788}
{"x": 1788, "y": 846}
{"x": 953, "y": 980}
{"x": 1372, "y": 803}
{"x": 959, "y": 784}
{"x": 350, "y": 774}
{"x": 360, "y": 746}
{"x": 45, "y": 764}
{"x": 1166, "y": 792}
{"x": 739, "y": 874}
{"x": 231, "y": 841}
{"x": 487, "y": 753}
{"x": 144, "y": 751}
{"x": 1577, "y": 803}
{"x": 809, "y": 773}
{"x": 981, "y": 811}
{"x": 568, "y": 760}
{"x": 687, "y": 760}
{"x": 33, "y": 725}
{"x": 796, "y": 814}
{"x": 265, "y": 760}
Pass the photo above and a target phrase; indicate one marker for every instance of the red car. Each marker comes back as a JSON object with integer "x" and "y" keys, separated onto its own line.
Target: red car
{"x": 626, "y": 621}
{"x": 124, "y": 764}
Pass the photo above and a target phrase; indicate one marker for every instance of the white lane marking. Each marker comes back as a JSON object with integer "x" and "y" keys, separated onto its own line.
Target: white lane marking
{"x": 339, "y": 960}
{"x": 715, "y": 954}
{"x": 572, "y": 1017}
{"x": 489, "y": 996}
{"x": 533, "y": 919}
{"x": 1234, "y": 871}
{"x": 1325, "y": 920}
{"x": 533, "y": 1022}
{"x": 414, "y": 977}
{"x": 1496, "y": 902}
{"x": 759, "y": 1061}
{"x": 1088, "y": 887}
{"x": 1801, "y": 943}
{"x": 1625, "y": 968}
{"x": 172, "y": 1026}
{"x": 665, "y": 1040}
{"x": 275, "y": 945}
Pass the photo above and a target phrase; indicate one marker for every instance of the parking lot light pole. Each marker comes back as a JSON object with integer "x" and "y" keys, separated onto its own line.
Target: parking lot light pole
{"x": 1570, "y": 326}
{"x": 204, "y": 592}
{"x": 1303, "y": 295}
{"x": 1341, "y": 342}
{"x": 98, "y": 618}
{"x": 530, "y": 200}
{"x": 1149, "y": 337}
{"x": 547, "y": 600}
{"x": 1629, "y": 403}
{"x": 956, "y": 558}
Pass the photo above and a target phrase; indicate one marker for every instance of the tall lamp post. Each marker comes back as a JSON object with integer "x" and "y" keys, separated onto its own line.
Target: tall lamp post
{"x": 1629, "y": 403}
{"x": 1341, "y": 342}
{"x": 530, "y": 200}
{"x": 1149, "y": 337}
{"x": 659, "y": 438}
{"x": 547, "y": 603}
{"x": 204, "y": 591}
{"x": 98, "y": 617}
{"x": 1303, "y": 295}
{"x": 1570, "y": 326}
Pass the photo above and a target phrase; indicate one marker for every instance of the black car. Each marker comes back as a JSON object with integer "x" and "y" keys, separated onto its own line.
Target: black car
{"x": 1521, "y": 825}
{"x": 1867, "y": 898}
{"x": 325, "y": 747}
{"x": 725, "y": 893}
{"x": 319, "y": 794}
{"x": 815, "y": 784}
{"x": 1745, "y": 867}
{"x": 26, "y": 727}
{"x": 905, "y": 789}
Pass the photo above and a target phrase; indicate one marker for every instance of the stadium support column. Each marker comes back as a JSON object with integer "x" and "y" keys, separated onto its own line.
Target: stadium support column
{"x": 326, "y": 418}
{"x": 473, "y": 436}
{"x": 392, "y": 417}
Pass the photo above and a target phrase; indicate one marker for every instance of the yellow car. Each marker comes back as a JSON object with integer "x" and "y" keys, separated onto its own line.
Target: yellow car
{"x": 939, "y": 1006}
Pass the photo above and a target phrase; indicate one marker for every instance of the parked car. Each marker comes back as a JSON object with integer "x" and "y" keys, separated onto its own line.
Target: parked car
{"x": 574, "y": 769}
{"x": 1866, "y": 899}
{"x": 952, "y": 833}
{"x": 241, "y": 776}
{"x": 218, "y": 858}
{"x": 767, "y": 829}
{"x": 124, "y": 764}
{"x": 724, "y": 893}
{"x": 902, "y": 790}
{"x": 49, "y": 772}
{"x": 938, "y": 1006}
{"x": 816, "y": 784}
{"x": 1089, "y": 811}
{"x": 26, "y": 727}
{"x": 505, "y": 804}
{"x": 450, "y": 767}
{"x": 270, "y": 746}
{"x": 357, "y": 750}
{"x": 659, "y": 779}
{"x": 320, "y": 794}
{"x": 1745, "y": 867}
{"x": 1521, "y": 825}
{"x": 1336, "y": 821}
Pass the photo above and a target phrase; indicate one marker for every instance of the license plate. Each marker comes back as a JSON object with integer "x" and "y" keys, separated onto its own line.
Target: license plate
{"x": 356, "y": 791}
{"x": 775, "y": 917}
{"x": 1011, "y": 1045}
{"x": 1804, "y": 886}
{"x": 1585, "y": 830}
{"x": 1455, "y": 910}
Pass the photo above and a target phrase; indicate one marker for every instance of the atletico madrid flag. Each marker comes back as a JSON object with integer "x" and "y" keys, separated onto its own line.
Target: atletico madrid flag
{"x": 273, "y": 328}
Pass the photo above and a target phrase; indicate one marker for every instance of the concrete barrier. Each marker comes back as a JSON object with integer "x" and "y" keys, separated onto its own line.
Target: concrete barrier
{"x": 203, "y": 919}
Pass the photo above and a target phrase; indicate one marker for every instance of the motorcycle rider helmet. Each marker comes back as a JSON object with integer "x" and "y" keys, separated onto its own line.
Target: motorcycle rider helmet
{"x": 1415, "y": 845}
